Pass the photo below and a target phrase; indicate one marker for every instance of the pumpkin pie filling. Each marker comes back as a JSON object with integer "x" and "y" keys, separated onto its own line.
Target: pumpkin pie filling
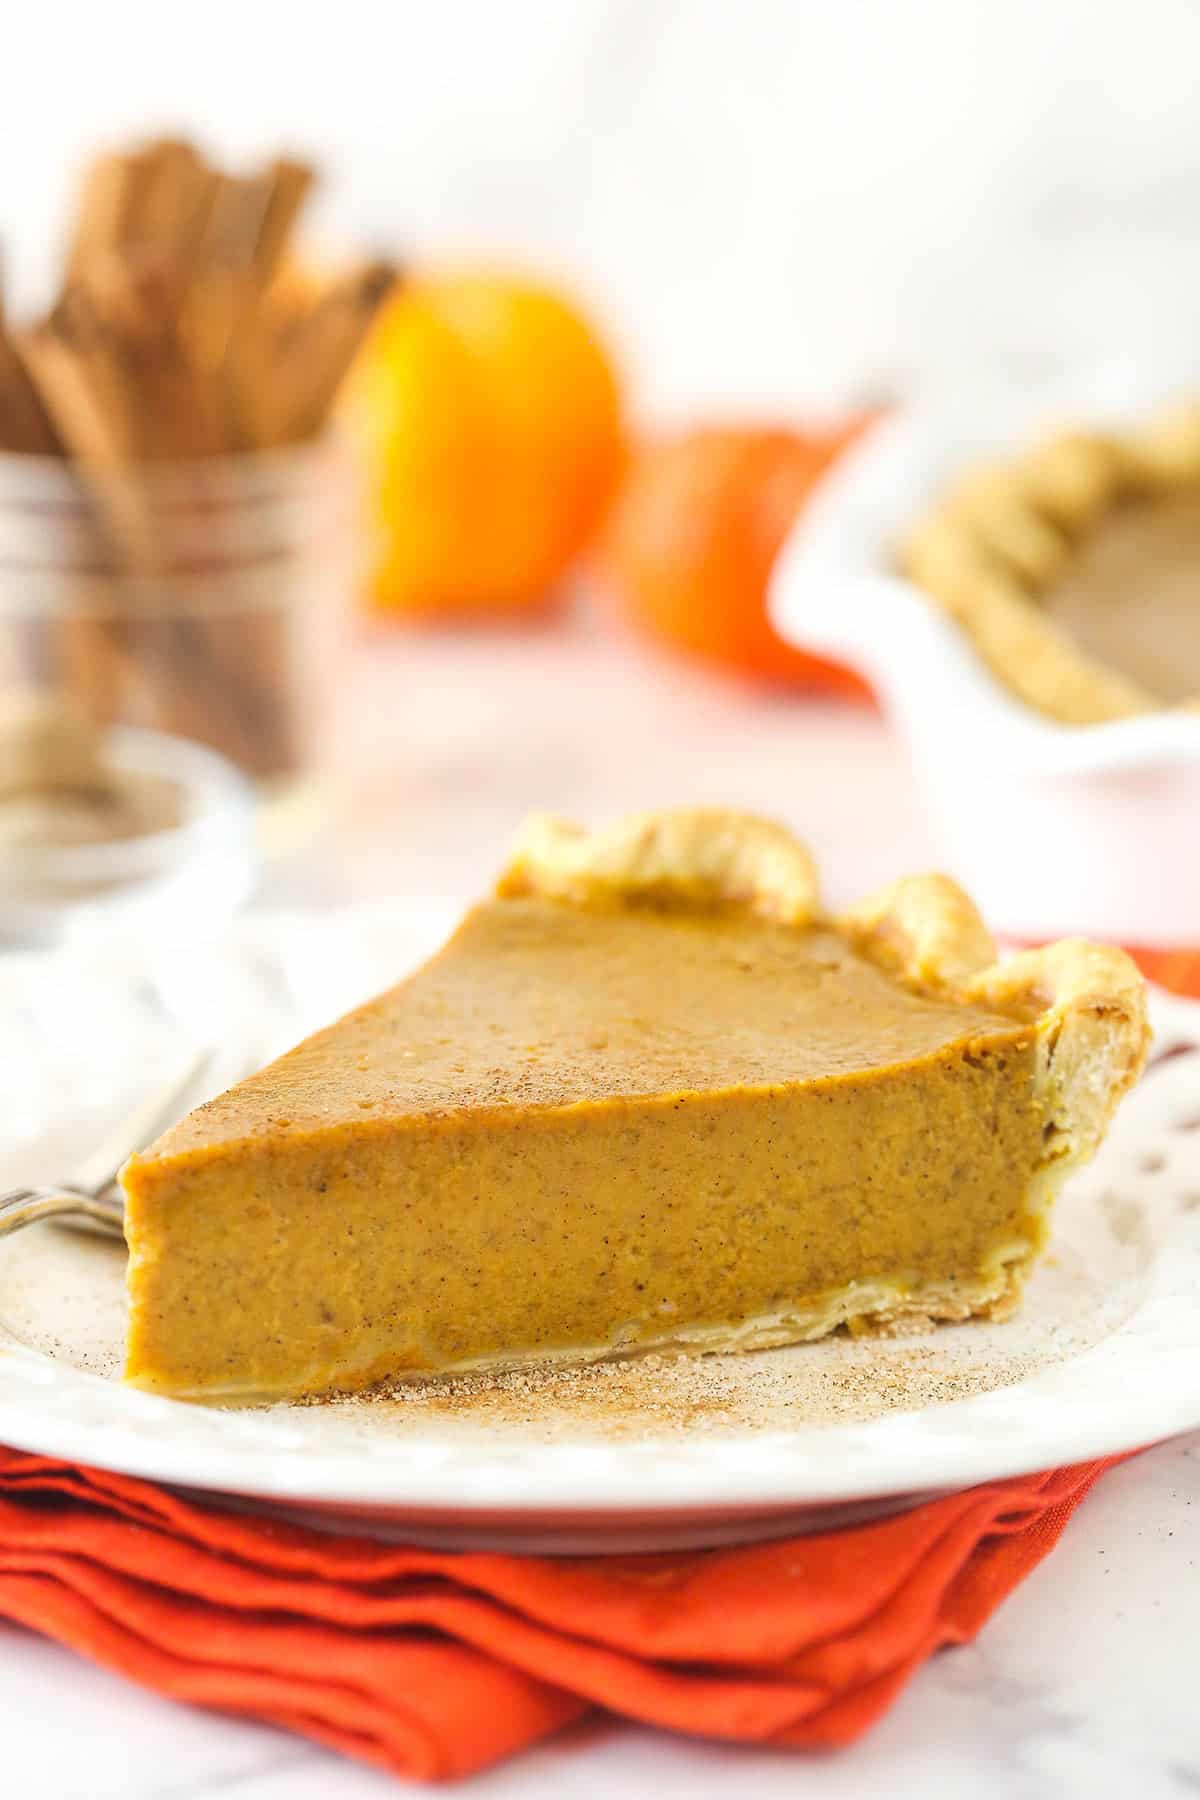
{"x": 618, "y": 1112}
{"x": 1130, "y": 596}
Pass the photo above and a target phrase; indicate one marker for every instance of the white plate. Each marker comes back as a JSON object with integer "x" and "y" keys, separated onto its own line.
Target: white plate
{"x": 1104, "y": 1356}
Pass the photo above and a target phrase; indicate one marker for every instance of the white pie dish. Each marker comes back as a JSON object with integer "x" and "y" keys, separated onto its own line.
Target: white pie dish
{"x": 1103, "y": 1357}
{"x": 1108, "y": 814}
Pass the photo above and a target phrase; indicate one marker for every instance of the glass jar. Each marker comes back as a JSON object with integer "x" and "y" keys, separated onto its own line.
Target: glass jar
{"x": 188, "y": 598}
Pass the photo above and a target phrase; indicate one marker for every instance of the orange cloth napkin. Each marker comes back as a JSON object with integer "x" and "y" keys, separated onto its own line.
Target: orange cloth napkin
{"x": 435, "y": 1665}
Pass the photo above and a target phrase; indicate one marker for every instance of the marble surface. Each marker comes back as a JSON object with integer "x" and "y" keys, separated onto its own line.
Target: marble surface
{"x": 1084, "y": 1682}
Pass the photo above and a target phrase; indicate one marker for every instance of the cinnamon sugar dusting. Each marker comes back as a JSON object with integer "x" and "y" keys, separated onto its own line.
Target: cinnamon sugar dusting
{"x": 841, "y": 1381}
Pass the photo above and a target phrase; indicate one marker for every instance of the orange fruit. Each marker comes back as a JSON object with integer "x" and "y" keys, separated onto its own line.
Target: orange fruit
{"x": 689, "y": 545}
{"x": 488, "y": 414}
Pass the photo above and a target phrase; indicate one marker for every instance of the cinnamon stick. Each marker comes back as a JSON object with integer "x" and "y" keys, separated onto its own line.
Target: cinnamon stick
{"x": 107, "y": 208}
{"x": 83, "y": 386}
{"x": 317, "y": 356}
{"x": 25, "y": 426}
{"x": 286, "y": 186}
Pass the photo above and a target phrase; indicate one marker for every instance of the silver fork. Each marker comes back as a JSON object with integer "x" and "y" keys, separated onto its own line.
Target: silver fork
{"x": 91, "y": 1197}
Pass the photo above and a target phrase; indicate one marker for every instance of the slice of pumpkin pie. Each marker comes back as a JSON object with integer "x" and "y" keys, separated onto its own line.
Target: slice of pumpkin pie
{"x": 648, "y": 1095}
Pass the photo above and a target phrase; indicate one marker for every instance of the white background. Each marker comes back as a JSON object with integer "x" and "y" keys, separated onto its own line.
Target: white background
{"x": 769, "y": 200}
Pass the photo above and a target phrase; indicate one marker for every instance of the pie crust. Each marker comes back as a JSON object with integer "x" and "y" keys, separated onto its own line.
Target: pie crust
{"x": 691, "y": 856}
{"x": 989, "y": 552}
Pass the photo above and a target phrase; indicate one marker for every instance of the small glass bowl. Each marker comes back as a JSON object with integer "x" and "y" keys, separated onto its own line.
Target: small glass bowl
{"x": 177, "y": 883}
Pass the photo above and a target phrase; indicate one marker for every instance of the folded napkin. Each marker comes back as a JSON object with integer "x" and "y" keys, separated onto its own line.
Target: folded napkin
{"x": 435, "y": 1664}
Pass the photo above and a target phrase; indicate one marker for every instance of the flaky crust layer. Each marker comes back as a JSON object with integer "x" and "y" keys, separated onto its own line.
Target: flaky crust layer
{"x": 1086, "y": 1002}
{"x": 696, "y": 856}
{"x": 1089, "y": 1002}
{"x": 923, "y": 929}
{"x": 989, "y": 551}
